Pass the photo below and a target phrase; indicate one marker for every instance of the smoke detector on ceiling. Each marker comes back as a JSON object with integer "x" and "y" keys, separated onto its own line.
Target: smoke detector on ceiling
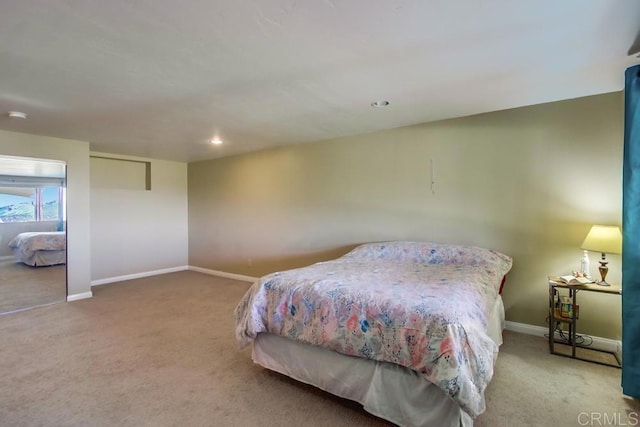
{"x": 17, "y": 115}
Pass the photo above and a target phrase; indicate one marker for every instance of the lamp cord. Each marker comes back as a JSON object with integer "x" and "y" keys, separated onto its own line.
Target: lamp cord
{"x": 581, "y": 340}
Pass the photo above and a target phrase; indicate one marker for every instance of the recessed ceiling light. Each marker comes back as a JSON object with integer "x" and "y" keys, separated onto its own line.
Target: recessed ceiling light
{"x": 216, "y": 140}
{"x": 380, "y": 103}
{"x": 17, "y": 115}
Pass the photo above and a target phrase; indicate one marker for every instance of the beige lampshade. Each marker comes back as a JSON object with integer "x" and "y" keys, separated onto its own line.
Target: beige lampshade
{"x": 603, "y": 238}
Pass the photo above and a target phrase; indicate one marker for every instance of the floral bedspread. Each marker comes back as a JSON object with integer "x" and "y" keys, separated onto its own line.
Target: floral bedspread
{"x": 421, "y": 305}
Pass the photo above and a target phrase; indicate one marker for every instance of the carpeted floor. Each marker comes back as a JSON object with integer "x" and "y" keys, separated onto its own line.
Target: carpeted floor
{"x": 22, "y": 286}
{"x": 160, "y": 351}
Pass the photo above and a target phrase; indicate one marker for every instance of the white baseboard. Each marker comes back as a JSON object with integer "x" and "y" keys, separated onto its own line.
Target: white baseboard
{"x": 223, "y": 274}
{"x": 173, "y": 270}
{"x": 7, "y": 258}
{"x": 598, "y": 342}
{"x": 82, "y": 295}
{"x": 108, "y": 280}
{"x": 138, "y": 275}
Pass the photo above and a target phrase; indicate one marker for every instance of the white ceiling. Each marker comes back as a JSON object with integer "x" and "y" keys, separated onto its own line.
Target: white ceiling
{"x": 159, "y": 78}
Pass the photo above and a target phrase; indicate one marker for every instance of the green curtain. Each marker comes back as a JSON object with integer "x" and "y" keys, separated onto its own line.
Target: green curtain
{"x": 631, "y": 237}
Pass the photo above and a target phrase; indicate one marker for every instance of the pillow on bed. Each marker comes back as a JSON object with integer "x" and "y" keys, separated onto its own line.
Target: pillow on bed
{"x": 433, "y": 253}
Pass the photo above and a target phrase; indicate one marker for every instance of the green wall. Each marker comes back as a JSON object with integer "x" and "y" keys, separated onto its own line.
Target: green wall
{"x": 528, "y": 182}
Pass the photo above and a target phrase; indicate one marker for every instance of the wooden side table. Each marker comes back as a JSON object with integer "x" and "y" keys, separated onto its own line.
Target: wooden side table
{"x": 554, "y": 316}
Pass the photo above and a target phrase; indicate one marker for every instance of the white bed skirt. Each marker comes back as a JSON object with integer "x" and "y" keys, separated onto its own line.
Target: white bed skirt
{"x": 43, "y": 258}
{"x": 388, "y": 391}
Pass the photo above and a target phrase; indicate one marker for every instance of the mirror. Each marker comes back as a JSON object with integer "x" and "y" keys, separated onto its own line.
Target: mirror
{"x": 33, "y": 252}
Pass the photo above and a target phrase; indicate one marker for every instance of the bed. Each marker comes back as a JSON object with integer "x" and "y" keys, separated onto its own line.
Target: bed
{"x": 410, "y": 330}
{"x": 39, "y": 249}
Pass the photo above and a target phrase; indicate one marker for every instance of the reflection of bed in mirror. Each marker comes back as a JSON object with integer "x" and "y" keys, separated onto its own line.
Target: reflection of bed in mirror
{"x": 39, "y": 249}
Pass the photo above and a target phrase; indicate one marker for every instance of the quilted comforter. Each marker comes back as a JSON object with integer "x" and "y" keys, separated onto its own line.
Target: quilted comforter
{"x": 424, "y": 306}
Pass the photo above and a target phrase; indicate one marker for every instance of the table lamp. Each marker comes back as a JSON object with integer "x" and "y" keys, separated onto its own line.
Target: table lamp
{"x": 605, "y": 239}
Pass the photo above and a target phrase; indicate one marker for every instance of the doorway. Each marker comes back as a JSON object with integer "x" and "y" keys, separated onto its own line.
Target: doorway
{"x": 33, "y": 224}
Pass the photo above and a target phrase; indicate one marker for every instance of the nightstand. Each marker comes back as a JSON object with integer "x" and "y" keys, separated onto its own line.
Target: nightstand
{"x": 571, "y": 322}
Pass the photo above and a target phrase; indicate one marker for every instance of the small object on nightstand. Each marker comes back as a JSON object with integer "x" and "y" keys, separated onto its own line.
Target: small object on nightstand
{"x": 572, "y": 280}
{"x": 584, "y": 264}
{"x": 567, "y": 309}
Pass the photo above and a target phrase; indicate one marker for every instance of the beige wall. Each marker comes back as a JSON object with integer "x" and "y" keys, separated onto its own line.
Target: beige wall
{"x": 76, "y": 155}
{"x": 138, "y": 231}
{"x": 528, "y": 182}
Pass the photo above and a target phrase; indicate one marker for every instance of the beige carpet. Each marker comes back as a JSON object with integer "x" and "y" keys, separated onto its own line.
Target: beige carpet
{"x": 160, "y": 351}
{"x": 22, "y": 286}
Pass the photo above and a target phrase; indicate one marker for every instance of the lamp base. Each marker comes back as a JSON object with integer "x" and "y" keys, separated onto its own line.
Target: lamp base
{"x": 603, "y": 271}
